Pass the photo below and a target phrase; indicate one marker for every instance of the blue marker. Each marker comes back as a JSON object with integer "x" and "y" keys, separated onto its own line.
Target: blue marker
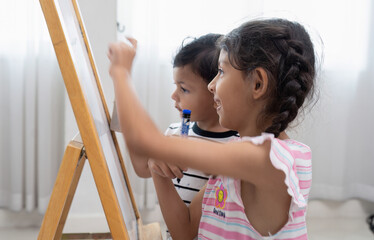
{"x": 186, "y": 119}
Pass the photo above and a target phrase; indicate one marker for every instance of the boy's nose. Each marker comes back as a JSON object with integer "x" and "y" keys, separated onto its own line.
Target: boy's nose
{"x": 174, "y": 96}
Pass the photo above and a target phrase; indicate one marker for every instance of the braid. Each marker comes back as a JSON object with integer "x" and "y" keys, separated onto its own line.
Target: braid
{"x": 284, "y": 50}
{"x": 293, "y": 79}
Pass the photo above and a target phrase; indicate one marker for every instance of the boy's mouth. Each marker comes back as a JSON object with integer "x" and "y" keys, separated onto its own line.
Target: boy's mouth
{"x": 178, "y": 108}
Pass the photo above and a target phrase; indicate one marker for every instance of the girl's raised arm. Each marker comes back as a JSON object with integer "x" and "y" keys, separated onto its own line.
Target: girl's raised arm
{"x": 241, "y": 160}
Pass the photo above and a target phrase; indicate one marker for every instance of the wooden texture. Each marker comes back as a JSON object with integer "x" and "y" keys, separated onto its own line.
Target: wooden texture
{"x": 87, "y": 236}
{"x": 63, "y": 192}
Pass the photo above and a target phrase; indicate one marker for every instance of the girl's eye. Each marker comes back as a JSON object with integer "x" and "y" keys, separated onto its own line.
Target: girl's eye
{"x": 220, "y": 71}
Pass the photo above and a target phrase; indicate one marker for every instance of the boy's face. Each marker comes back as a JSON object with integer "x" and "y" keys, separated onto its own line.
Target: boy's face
{"x": 192, "y": 93}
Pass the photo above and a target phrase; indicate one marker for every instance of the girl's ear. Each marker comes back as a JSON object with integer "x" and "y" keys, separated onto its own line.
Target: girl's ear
{"x": 260, "y": 83}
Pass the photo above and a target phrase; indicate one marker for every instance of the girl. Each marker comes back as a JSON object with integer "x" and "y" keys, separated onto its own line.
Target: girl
{"x": 262, "y": 182}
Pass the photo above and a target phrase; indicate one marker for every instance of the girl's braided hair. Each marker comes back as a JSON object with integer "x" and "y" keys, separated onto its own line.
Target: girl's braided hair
{"x": 284, "y": 50}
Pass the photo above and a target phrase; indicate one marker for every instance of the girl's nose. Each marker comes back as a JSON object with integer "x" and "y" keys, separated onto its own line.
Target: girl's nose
{"x": 212, "y": 85}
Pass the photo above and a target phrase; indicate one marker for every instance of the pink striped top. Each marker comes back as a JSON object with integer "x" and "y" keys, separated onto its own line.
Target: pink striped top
{"x": 223, "y": 215}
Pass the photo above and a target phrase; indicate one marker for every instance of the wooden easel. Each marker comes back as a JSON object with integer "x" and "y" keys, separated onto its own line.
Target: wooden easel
{"x": 62, "y": 196}
{"x": 89, "y": 148}
{"x": 64, "y": 190}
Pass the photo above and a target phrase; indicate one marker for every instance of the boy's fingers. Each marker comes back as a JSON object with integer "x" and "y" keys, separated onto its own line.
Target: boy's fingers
{"x": 176, "y": 171}
{"x": 166, "y": 170}
{"x": 161, "y": 169}
{"x": 156, "y": 169}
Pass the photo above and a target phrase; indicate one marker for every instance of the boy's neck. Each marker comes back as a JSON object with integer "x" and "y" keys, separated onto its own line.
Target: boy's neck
{"x": 211, "y": 126}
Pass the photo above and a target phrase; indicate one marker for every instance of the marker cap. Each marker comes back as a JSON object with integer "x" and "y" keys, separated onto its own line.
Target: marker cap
{"x": 186, "y": 113}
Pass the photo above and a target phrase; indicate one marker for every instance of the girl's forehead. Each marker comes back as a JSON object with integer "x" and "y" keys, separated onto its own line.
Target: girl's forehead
{"x": 223, "y": 57}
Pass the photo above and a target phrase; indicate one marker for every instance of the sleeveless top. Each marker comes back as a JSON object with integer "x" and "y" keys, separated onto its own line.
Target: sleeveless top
{"x": 223, "y": 215}
{"x": 193, "y": 180}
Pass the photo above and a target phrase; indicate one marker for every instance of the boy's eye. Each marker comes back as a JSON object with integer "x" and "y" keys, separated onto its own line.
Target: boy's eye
{"x": 220, "y": 71}
{"x": 184, "y": 90}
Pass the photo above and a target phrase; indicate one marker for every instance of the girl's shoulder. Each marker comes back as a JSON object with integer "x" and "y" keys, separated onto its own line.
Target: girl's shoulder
{"x": 294, "y": 159}
{"x": 298, "y": 145}
{"x": 289, "y": 145}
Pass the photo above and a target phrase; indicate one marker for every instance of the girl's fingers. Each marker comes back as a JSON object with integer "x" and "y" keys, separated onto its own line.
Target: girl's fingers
{"x": 109, "y": 56}
{"x": 133, "y": 41}
{"x": 111, "y": 52}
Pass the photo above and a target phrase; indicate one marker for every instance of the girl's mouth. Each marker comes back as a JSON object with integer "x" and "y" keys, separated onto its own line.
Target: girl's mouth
{"x": 217, "y": 104}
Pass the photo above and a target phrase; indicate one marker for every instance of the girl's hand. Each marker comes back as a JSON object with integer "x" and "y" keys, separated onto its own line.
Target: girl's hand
{"x": 121, "y": 56}
{"x": 164, "y": 169}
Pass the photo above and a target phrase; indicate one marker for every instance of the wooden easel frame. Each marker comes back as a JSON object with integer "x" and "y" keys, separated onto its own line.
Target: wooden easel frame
{"x": 75, "y": 156}
{"x": 63, "y": 192}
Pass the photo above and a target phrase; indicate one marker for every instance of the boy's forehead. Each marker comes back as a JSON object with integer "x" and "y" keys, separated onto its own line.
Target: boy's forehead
{"x": 183, "y": 75}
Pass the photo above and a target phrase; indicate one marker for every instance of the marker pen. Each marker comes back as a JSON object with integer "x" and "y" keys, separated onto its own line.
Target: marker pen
{"x": 186, "y": 119}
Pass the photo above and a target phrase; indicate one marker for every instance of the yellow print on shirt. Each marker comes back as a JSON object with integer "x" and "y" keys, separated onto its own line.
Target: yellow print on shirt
{"x": 221, "y": 196}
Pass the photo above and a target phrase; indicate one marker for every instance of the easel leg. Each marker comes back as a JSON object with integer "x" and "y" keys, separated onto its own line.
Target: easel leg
{"x": 63, "y": 192}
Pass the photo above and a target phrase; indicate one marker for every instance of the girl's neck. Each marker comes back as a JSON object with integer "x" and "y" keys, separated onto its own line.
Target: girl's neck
{"x": 255, "y": 132}
{"x": 283, "y": 135}
{"x": 250, "y": 133}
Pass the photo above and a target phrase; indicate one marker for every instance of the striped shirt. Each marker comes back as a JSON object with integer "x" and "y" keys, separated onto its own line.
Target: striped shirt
{"x": 193, "y": 180}
{"x": 223, "y": 215}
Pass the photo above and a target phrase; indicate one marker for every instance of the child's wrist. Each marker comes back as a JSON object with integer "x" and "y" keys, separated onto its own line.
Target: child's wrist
{"x": 119, "y": 72}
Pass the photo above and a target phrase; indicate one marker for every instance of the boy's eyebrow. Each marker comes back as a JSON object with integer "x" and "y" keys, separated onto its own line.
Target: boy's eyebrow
{"x": 179, "y": 81}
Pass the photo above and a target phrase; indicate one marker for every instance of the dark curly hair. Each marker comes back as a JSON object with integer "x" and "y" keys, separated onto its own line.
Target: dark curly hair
{"x": 285, "y": 51}
{"x": 201, "y": 54}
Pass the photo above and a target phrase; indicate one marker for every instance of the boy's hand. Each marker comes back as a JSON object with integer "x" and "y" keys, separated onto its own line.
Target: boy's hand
{"x": 164, "y": 169}
{"x": 121, "y": 56}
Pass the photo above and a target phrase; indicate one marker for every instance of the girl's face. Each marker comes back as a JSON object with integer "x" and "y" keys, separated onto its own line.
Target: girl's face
{"x": 191, "y": 93}
{"x": 232, "y": 95}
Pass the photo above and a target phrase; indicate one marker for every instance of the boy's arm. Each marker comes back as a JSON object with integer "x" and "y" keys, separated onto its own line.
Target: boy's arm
{"x": 182, "y": 221}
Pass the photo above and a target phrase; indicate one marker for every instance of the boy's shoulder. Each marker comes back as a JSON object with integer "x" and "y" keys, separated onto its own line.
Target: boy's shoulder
{"x": 173, "y": 129}
{"x": 174, "y": 125}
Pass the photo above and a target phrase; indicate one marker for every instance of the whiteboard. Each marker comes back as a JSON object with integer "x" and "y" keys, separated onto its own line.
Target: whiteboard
{"x": 79, "y": 53}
